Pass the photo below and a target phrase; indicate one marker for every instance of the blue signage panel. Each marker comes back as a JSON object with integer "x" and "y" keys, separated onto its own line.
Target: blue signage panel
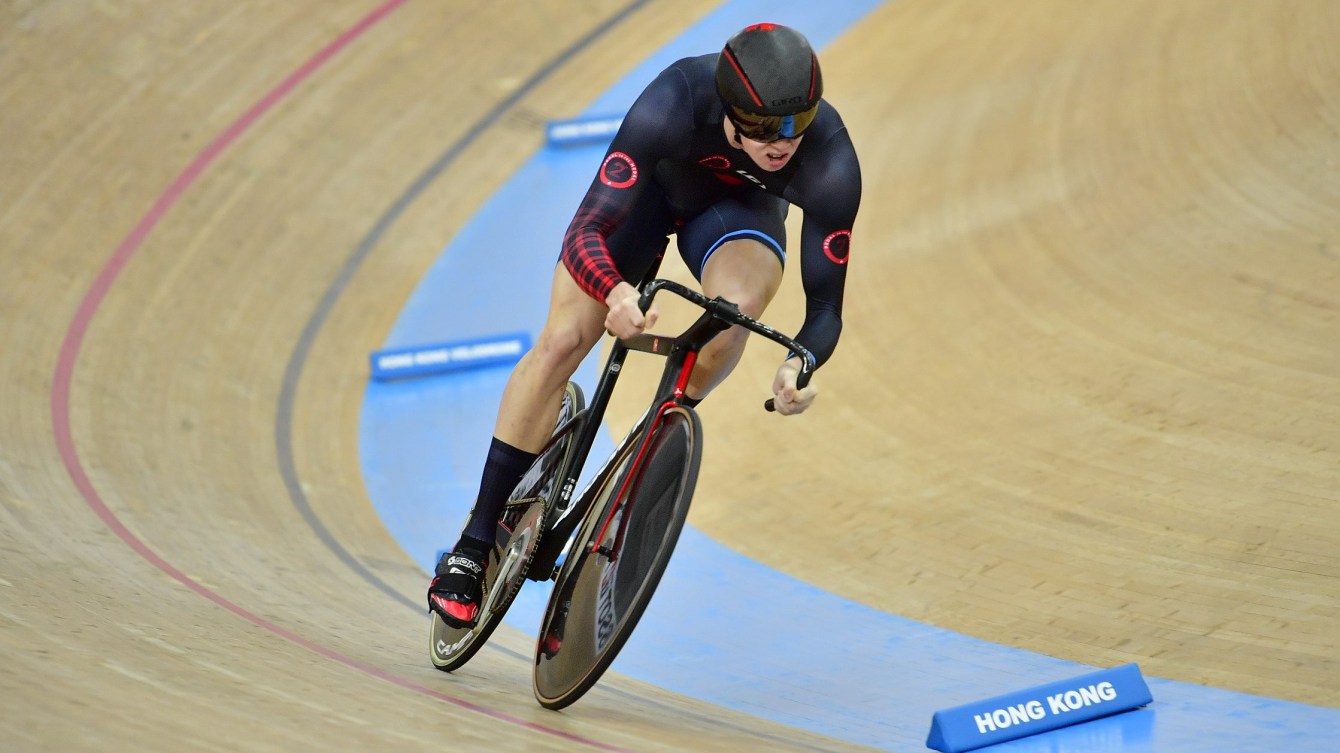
{"x": 1045, "y": 707}
{"x": 423, "y": 360}
{"x": 582, "y": 130}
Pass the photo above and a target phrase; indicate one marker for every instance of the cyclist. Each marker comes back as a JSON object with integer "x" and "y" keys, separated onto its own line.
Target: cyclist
{"x": 715, "y": 151}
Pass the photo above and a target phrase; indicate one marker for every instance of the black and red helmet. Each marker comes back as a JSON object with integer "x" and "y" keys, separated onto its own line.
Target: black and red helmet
{"x": 769, "y": 79}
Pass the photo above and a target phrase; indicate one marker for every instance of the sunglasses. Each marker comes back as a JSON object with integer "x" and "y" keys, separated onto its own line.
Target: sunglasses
{"x": 769, "y": 128}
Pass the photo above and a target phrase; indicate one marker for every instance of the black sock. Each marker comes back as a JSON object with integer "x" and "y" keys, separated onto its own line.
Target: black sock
{"x": 691, "y": 402}
{"x": 502, "y": 471}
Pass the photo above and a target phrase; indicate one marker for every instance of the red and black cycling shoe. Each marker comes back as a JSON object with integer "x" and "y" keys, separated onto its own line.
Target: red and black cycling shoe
{"x": 455, "y": 591}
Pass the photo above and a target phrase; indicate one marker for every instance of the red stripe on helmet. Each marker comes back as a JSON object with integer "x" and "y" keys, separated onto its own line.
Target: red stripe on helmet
{"x": 730, "y": 56}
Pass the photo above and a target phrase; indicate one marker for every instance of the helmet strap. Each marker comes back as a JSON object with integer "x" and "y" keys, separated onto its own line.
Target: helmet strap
{"x": 734, "y": 129}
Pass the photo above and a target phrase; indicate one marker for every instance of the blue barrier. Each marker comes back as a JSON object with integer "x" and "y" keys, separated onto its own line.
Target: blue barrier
{"x": 422, "y": 360}
{"x": 582, "y": 130}
{"x": 1039, "y": 709}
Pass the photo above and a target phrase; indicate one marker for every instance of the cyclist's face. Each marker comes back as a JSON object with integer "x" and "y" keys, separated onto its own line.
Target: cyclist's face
{"x": 768, "y": 155}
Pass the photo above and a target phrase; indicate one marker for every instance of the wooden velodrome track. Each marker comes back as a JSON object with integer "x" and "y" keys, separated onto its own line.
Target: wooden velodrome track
{"x": 1087, "y": 402}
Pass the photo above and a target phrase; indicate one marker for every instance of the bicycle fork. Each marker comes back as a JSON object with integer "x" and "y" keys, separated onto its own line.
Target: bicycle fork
{"x": 681, "y": 355}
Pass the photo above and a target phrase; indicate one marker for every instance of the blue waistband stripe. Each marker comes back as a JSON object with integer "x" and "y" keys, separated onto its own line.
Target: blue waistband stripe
{"x": 762, "y": 237}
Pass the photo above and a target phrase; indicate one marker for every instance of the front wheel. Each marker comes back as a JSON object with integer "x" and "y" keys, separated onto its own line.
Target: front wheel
{"x": 617, "y": 560}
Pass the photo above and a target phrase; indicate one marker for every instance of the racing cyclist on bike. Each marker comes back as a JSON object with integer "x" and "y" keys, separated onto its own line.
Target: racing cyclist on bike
{"x": 714, "y": 151}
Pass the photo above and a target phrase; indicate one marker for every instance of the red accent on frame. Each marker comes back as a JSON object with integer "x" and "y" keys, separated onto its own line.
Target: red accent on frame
{"x": 684, "y": 373}
{"x": 635, "y": 469}
{"x": 682, "y": 382}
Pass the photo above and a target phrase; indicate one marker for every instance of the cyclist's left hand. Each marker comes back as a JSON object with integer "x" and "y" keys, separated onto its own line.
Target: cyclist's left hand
{"x": 625, "y": 318}
{"x": 786, "y": 398}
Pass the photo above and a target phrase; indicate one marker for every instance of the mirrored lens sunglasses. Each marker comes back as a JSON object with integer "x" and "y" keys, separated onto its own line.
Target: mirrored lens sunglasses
{"x": 768, "y": 128}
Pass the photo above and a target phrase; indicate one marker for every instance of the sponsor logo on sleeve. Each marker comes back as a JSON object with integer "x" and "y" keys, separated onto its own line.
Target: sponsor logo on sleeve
{"x": 837, "y": 246}
{"x": 618, "y": 170}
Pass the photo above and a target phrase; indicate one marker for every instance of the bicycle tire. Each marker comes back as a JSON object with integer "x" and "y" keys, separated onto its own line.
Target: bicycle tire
{"x": 598, "y": 600}
{"x": 520, "y": 529}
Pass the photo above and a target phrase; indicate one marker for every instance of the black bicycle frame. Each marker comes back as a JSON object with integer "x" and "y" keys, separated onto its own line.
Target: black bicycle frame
{"x": 681, "y": 354}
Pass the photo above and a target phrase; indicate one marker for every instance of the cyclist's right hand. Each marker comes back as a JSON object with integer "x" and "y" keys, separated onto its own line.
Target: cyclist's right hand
{"x": 625, "y": 318}
{"x": 789, "y": 399}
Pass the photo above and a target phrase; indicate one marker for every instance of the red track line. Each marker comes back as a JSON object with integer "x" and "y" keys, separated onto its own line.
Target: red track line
{"x": 88, "y": 307}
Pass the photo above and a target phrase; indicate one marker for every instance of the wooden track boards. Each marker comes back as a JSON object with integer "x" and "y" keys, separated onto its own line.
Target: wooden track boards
{"x": 1086, "y": 402}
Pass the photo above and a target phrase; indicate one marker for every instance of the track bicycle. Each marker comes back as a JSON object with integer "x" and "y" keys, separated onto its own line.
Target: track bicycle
{"x": 627, "y": 519}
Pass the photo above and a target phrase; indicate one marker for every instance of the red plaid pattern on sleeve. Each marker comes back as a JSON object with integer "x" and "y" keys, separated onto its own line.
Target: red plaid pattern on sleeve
{"x": 584, "y": 251}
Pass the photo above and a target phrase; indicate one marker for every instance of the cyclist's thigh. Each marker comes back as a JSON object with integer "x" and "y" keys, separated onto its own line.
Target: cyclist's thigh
{"x": 753, "y": 215}
{"x": 744, "y": 272}
{"x": 575, "y": 321}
